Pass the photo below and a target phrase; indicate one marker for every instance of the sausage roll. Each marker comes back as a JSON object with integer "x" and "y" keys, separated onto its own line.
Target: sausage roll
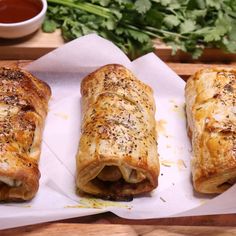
{"x": 23, "y": 108}
{"x": 117, "y": 156}
{"x": 211, "y": 115}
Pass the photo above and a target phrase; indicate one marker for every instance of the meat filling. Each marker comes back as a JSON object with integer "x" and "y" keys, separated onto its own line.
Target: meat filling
{"x": 10, "y": 182}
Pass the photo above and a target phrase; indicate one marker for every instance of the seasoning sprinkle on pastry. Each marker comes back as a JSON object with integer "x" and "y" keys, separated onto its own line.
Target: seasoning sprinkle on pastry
{"x": 211, "y": 114}
{"x": 23, "y": 108}
{"x": 117, "y": 156}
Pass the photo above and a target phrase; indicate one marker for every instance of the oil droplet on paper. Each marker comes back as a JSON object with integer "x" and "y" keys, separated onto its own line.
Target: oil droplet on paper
{"x": 62, "y": 115}
{"x": 77, "y": 206}
{"x": 98, "y": 204}
{"x": 181, "y": 165}
{"x": 203, "y": 201}
{"x": 101, "y": 203}
{"x": 27, "y": 206}
{"x": 167, "y": 163}
{"x": 161, "y": 126}
{"x": 21, "y": 206}
{"x": 178, "y": 108}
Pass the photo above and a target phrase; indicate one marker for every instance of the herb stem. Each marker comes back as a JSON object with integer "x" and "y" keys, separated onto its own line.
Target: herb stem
{"x": 141, "y": 30}
{"x": 165, "y": 32}
{"x": 88, "y": 7}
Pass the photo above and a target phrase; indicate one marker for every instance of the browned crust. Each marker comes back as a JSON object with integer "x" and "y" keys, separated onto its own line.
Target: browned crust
{"x": 25, "y": 99}
{"x": 116, "y": 83}
{"x": 107, "y": 68}
{"x": 210, "y": 98}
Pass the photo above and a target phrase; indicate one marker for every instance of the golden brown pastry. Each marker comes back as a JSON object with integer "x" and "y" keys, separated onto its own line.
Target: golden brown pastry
{"x": 211, "y": 114}
{"x": 23, "y": 108}
{"x": 117, "y": 156}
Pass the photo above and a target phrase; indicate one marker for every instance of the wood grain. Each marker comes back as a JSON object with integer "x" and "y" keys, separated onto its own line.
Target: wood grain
{"x": 110, "y": 218}
{"x": 57, "y": 229}
{"x": 30, "y": 47}
{"x": 209, "y": 55}
{"x": 184, "y": 70}
{"x": 39, "y": 43}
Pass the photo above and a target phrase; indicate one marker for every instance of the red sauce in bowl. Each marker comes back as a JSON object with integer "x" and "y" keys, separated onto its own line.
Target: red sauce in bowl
{"x": 14, "y": 11}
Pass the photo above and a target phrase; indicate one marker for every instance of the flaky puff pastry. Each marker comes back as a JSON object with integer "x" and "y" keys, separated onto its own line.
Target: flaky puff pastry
{"x": 23, "y": 108}
{"x": 117, "y": 156}
{"x": 211, "y": 114}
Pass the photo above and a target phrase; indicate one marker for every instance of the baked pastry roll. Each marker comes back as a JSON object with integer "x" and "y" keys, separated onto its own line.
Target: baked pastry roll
{"x": 23, "y": 108}
{"x": 117, "y": 156}
{"x": 211, "y": 114}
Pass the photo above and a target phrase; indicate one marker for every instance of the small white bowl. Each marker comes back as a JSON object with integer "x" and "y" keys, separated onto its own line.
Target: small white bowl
{"x": 23, "y": 28}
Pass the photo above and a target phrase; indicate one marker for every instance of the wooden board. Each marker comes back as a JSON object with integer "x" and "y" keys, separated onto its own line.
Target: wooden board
{"x": 116, "y": 230}
{"x": 39, "y": 43}
{"x": 184, "y": 70}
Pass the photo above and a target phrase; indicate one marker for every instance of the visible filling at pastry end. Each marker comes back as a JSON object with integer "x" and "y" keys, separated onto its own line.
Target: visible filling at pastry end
{"x": 110, "y": 173}
{"x": 114, "y": 173}
{"x": 227, "y": 184}
{"x": 118, "y": 183}
{"x": 9, "y": 182}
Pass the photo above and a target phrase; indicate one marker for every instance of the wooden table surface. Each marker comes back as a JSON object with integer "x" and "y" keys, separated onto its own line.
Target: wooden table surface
{"x": 20, "y": 53}
{"x": 184, "y": 70}
{"x": 40, "y": 43}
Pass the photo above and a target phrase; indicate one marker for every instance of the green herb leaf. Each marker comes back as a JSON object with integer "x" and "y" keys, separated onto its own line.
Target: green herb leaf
{"x": 142, "y": 6}
{"x": 171, "y": 21}
{"x": 49, "y": 26}
{"x": 189, "y": 25}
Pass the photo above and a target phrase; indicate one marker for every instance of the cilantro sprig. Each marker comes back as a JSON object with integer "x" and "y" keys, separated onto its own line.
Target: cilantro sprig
{"x": 188, "y": 25}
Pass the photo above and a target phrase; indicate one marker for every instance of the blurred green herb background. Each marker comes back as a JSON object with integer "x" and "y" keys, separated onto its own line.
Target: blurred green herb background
{"x": 188, "y": 25}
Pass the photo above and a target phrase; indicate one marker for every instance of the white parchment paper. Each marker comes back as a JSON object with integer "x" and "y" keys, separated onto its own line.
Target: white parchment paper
{"x": 63, "y": 69}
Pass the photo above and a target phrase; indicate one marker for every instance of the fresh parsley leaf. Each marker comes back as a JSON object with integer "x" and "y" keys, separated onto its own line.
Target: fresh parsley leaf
{"x": 165, "y": 2}
{"x": 102, "y": 2}
{"x": 232, "y": 32}
{"x": 171, "y": 21}
{"x": 139, "y": 36}
{"x": 222, "y": 26}
{"x": 214, "y": 3}
{"x": 196, "y": 4}
{"x": 196, "y": 53}
{"x": 187, "y": 25}
{"x": 142, "y": 6}
{"x": 229, "y": 46}
{"x": 49, "y": 26}
{"x": 110, "y": 24}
